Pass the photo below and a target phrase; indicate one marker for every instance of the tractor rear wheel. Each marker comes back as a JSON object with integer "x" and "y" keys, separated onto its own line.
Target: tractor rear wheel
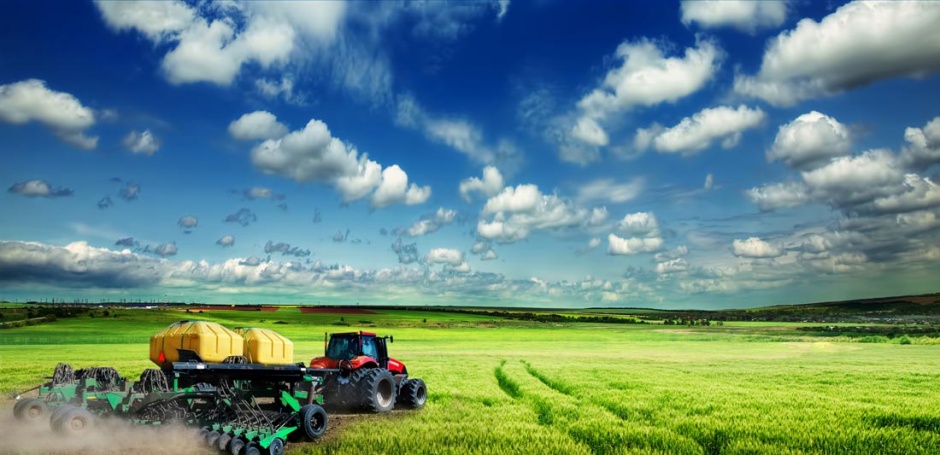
{"x": 413, "y": 394}
{"x": 313, "y": 421}
{"x": 377, "y": 390}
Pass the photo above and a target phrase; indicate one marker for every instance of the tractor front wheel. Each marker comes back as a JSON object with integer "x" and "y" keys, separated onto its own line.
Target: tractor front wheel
{"x": 413, "y": 394}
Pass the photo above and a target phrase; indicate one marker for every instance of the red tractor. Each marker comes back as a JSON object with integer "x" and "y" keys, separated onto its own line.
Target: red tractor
{"x": 367, "y": 378}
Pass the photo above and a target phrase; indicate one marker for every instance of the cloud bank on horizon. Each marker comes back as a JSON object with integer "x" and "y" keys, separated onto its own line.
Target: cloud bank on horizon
{"x": 705, "y": 154}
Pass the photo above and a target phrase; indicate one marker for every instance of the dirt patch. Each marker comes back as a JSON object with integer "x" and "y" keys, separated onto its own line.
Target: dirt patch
{"x": 109, "y": 436}
{"x": 335, "y": 310}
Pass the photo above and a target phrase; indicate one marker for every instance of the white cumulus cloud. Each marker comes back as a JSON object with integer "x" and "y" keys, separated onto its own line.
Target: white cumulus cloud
{"x": 158, "y": 20}
{"x": 745, "y": 15}
{"x": 588, "y": 131}
{"x": 29, "y": 100}
{"x": 860, "y": 43}
{"x": 634, "y": 245}
{"x": 433, "y": 222}
{"x": 810, "y": 141}
{"x": 447, "y": 256}
{"x": 490, "y": 185}
{"x": 640, "y": 223}
{"x": 696, "y": 133}
{"x": 515, "y": 212}
{"x": 754, "y": 247}
{"x": 778, "y": 195}
{"x": 394, "y": 189}
{"x": 646, "y": 77}
{"x": 257, "y": 125}
{"x": 314, "y": 155}
{"x": 308, "y": 155}
{"x": 144, "y": 142}
{"x": 923, "y": 145}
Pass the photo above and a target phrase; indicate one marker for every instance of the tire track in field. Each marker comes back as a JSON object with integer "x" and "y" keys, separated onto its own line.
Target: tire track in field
{"x": 544, "y": 410}
{"x": 712, "y": 444}
{"x": 507, "y": 385}
{"x": 553, "y": 384}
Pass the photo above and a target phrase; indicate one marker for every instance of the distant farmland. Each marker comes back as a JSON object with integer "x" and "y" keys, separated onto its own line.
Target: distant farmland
{"x": 508, "y": 385}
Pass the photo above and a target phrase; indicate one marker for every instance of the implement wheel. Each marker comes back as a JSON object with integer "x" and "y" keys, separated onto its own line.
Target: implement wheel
{"x": 313, "y": 421}
{"x": 75, "y": 422}
{"x": 212, "y": 438}
{"x": 223, "y": 441}
{"x": 276, "y": 447}
{"x": 19, "y": 405}
{"x": 377, "y": 390}
{"x": 236, "y": 446}
{"x": 413, "y": 394}
{"x": 57, "y": 414}
{"x": 252, "y": 449}
{"x": 32, "y": 410}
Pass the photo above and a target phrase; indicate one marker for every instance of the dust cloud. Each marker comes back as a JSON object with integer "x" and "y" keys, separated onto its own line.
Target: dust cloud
{"x": 108, "y": 436}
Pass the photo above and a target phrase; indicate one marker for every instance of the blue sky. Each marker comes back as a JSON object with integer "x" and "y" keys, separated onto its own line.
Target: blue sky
{"x": 543, "y": 153}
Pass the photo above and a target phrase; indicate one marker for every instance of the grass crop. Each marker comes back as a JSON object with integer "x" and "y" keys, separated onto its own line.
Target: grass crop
{"x": 498, "y": 386}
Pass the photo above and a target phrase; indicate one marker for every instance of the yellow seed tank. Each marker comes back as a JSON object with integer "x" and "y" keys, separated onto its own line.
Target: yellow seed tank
{"x": 210, "y": 341}
{"x": 267, "y": 347}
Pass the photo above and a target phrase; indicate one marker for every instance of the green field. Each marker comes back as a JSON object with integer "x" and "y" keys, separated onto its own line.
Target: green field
{"x": 506, "y": 386}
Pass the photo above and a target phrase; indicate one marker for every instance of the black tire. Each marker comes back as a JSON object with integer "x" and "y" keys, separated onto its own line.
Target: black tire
{"x": 223, "y": 442}
{"x": 212, "y": 438}
{"x": 313, "y": 421}
{"x": 75, "y": 422}
{"x": 33, "y": 410}
{"x": 57, "y": 414}
{"x": 236, "y": 446}
{"x": 377, "y": 391}
{"x": 341, "y": 392}
{"x": 252, "y": 448}
{"x": 413, "y": 394}
{"x": 276, "y": 447}
{"x": 19, "y": 404}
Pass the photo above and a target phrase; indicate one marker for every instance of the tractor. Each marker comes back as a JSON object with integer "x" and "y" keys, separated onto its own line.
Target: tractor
{"x": 366, "y": 377}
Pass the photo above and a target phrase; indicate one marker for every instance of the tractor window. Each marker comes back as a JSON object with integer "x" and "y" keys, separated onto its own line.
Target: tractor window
{"x": 342, "y": 348}
{"x": 368, "y": 347}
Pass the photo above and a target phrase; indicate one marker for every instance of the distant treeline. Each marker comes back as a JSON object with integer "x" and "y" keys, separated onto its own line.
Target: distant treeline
{"x": 542, "y": 317}
{"x": 891, "y": 331}
{"x": 19, "y": 317}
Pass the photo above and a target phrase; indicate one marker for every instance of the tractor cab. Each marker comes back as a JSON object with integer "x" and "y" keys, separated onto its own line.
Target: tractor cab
{"x": 355, "y": 350}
